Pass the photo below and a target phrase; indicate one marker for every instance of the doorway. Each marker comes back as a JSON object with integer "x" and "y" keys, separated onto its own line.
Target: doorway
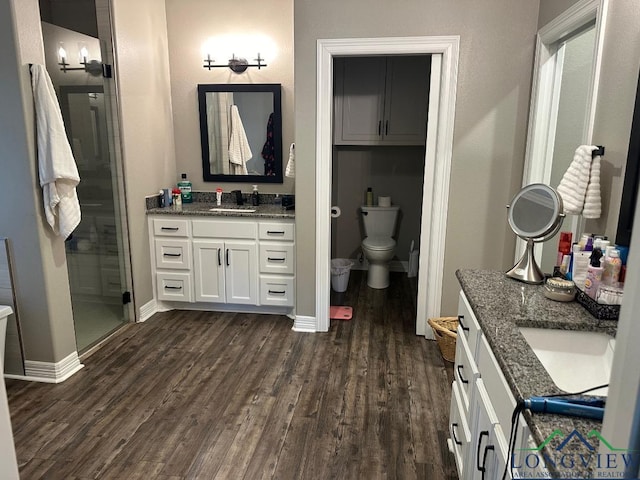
{"x": 77, "y": 41}
{"x": 443, "y": 80}
{"x": 380, "y": 122}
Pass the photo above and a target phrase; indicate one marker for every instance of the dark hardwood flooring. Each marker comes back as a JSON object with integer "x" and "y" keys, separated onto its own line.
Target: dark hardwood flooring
{"x": 229, "y": 396}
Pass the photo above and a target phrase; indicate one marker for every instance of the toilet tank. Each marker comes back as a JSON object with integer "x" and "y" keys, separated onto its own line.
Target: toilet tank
{"x": 379, "y": 221}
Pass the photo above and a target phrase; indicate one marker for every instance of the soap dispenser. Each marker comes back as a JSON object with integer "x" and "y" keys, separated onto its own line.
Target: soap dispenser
{"x": 255, "y": 197}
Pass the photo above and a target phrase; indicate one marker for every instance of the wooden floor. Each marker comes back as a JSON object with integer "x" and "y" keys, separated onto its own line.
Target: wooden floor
{"x": 230, "y": 396}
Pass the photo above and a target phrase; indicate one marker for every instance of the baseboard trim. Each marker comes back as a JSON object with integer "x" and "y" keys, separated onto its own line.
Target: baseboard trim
{"x": 148, "y": 310}
{"x": 394, "y": 265}
{"x": 48, "y": 372}
{"x": 304, "y": 323}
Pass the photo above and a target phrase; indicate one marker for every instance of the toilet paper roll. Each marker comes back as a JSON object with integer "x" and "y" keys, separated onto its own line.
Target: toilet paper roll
{"x": 335, "y": 212}
{"x": 384, "y": 201}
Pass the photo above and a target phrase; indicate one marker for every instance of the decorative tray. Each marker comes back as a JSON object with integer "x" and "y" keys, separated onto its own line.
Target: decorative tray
{"x": 598, "y": 310}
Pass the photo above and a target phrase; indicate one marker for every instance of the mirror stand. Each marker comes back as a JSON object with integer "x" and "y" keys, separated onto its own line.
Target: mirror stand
{"x": 527, "y": 270}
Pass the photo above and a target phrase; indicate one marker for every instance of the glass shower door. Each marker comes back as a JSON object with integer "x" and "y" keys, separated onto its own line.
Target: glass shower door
{"x": 96, "y": 249}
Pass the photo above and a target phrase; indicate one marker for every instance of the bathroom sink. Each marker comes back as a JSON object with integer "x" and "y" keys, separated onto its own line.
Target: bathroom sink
{"x": 233, "y": 209}
{"x": 575, "y": 360}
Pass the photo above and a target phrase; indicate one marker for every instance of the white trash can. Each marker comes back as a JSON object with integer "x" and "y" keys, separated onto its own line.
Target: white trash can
{"x": 340, "y": 268}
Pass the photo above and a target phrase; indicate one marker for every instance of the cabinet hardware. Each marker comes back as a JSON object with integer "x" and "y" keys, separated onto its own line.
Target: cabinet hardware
{"x": 226, "y": 255}
{"x": 171, "y": 287}
{"x": 170, "y": 229}
{"x": 460, "y": 368}
{"x": 379, "y": 127}
{"x": 460, "y": 318}
{"x": 386, "y": 127}
{"x": 219, "y": 259}
{"x": 482, "y": 434}
{"x": 276, "y": 259}
{"x": 171, "y": 254}
{"x": 277, "y": 292}
{"x": 453, "y": 433}
{"x": 274, "y": 232}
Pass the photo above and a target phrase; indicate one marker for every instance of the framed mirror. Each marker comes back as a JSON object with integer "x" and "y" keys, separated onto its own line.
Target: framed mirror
{"x": 535, "y": 215}
{"x": 241, "y": 132}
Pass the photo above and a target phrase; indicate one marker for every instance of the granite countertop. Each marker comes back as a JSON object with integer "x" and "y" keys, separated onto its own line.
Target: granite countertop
{"x": 501, "y": 305}
{"x": 203, "y": 209}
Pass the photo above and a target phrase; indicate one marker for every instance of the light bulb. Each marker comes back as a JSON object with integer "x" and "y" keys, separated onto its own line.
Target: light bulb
{"x": 62, "y": 53}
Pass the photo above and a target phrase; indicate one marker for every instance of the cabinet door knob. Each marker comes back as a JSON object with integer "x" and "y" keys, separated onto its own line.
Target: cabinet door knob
{"x": 460, "y": 319}
{"x": 478, "y": 466}
{"x": 460, "y": 368}
{"x": 453, "y": 433}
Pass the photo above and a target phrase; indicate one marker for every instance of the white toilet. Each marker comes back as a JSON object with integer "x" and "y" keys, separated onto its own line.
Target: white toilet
{"x": 378, "y": 245}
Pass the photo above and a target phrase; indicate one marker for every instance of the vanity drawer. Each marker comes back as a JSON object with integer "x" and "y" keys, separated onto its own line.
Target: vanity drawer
{"x": 468, "y": 323}
{"x": 275, "y": 290}
{"x": 174, "y": 286}
{"x": 465, "y": 369}
{"x": 497, "y": 387}
{"x": 171, "y": 227}
{"x": 277, "y": 258}
{"x": 224, "y": 229}
{"x": 458, "y": 429}
{"x": 173, "y": 253}
{"x": 276, "y": 231}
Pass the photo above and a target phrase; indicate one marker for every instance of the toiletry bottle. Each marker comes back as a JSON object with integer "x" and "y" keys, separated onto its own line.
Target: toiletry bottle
{"x": 594, "y": 274}
{"x": 184, "y": 186}
{"x": 161, "y": 196}
{"x": 612, "y": 266}
{"x": 255, "y": 196}
{"x": 369, "y": 197}
{"x": 218, "y": 196}
{"x": 177, "y": 199}
{"x": 580, "y": 267}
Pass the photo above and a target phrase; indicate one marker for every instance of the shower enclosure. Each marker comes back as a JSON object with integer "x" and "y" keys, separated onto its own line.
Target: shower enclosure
{"x": 75, "y": 46}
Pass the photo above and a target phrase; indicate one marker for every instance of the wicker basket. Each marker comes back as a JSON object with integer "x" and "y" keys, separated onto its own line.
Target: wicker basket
{"x": 444, "y": 329}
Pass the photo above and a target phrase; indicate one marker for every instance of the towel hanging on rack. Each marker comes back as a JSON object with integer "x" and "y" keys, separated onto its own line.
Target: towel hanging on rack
{"x": 56, "y": 166}
{"x": 291, "y": 163}
{"x": 580, "y": 185}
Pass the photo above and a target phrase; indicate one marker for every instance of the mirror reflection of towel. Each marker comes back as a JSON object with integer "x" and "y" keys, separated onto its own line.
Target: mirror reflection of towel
{"x": 239, "y": 150}
{"x": 580, "y": 185}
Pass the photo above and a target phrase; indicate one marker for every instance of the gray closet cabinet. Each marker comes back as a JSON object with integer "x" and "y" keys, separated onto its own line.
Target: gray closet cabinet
{"x": 381, "y": 100}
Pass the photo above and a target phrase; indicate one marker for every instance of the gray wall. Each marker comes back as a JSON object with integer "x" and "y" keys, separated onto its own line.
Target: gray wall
{"x": 397, "y": 172}
{"x": 190, "y": 23}
{"x": 142, "y": 69}
{"x": 494, "y": 82}
{"x": 41, "y": 281}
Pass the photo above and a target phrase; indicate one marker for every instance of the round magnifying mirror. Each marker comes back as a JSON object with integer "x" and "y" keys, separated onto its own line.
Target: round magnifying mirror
{"x": 535, "y": 214}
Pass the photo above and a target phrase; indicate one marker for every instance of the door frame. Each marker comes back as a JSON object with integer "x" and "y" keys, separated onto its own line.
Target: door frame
{"x": 439, "y": 147}
{"x": 545, "y": 96}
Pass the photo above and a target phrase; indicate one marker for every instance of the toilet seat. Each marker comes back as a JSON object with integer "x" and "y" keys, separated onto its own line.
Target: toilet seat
{"x": 379, "y": 243}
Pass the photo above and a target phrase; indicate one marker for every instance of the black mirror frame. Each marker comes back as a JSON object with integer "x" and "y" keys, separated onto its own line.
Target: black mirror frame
{"x": 631, "y": 179}
{"x": 275, "y": 89}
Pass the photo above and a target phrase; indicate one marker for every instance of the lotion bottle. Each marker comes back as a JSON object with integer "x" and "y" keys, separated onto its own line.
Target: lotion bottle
{"x": 255, "y": 196}
{"x": 594, "y": 274}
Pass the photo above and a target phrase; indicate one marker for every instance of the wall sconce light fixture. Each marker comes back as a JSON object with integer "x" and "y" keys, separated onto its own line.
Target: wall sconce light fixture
{"x": 93, "y": 67}
{"x": 237, "y": 65}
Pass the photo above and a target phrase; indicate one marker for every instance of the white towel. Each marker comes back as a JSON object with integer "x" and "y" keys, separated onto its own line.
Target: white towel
{"x": 580, "y": 185}
{"x": 56, "y": 166}
{"x": 291, "y": 164}
{"x": 239, "y": 150}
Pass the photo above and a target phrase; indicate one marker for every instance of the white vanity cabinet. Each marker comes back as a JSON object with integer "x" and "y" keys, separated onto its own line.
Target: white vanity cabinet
{"x": 226, "y": 263}
{"x": 277, "y": 263}
{"x": 481, "y": 406}
{"x": 171, "y": 247}
{"x": 381, "y": 100}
